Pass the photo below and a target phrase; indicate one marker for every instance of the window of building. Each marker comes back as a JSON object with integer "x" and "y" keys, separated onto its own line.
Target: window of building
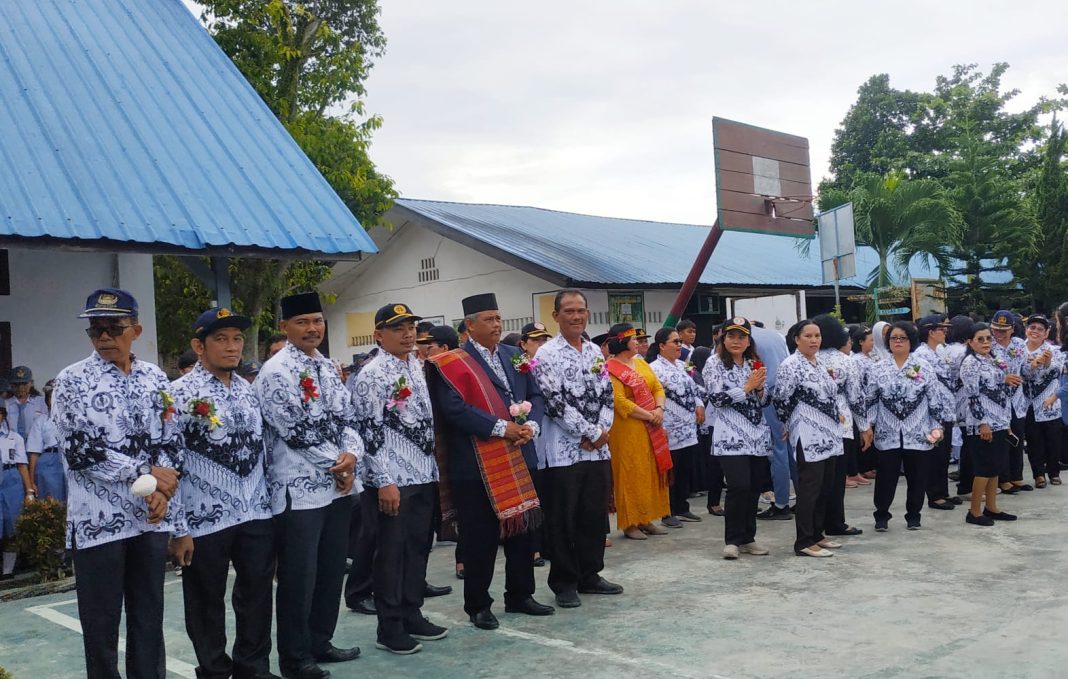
{"x": 428, "y": 270}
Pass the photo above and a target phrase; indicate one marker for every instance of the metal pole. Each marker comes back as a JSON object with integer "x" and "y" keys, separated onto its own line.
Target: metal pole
{"x": 837, "y": 253}
{"x": 699, "y": 264}
{"x": 221, "y": 268}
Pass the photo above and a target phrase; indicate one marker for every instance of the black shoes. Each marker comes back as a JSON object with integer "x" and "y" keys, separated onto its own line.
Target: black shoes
{"x": 689, "y": 516}
{"x": 849, "y": 530}
{"x": 774, "y": 513}
{"x": 306, "y": 672}
{"x": 944, "y": 504}
{"x": 425, "y": 630}
{"x": 912, "y": 524}
{"x": 529, "y": 607}
{"x": 539, "y": 562}
{"x": 978, "y": 520}
{"x": 365, "y": 605}
{"x": 999, "y": 516}
{"x": 601, "y": 586}
{"x": 955, "y": 500}
{"x": 335, "y": 654}
{"x": 881, "y": 525}
{"x": 568, "y": 599}
{"x": 432, "y": 590}
{"x": 485, "y": 619}
{"x": 400, "y": 643}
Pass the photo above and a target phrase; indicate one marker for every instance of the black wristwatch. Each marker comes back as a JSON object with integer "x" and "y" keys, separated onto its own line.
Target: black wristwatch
{"x": 144, "y": 468}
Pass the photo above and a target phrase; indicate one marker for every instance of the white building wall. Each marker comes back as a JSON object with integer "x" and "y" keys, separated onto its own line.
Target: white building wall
{"x": 48, "y": 291}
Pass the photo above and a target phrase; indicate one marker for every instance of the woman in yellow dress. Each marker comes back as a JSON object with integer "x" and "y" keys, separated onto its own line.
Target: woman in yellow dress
{"x": 640, "y": 454}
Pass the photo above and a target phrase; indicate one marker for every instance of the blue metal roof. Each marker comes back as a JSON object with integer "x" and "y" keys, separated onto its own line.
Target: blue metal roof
{"x": 123, "y": 122}
{"x": 610, "y": 251}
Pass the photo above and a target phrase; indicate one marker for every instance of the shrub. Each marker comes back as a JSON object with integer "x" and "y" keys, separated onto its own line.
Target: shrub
{"x": 40, "y": 535}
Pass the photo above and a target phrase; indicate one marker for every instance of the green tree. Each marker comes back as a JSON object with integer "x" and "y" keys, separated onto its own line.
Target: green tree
{"x": 1000, "y": 234}
{"x": 1047, "y": 277}
{"x": 309, "y": 62}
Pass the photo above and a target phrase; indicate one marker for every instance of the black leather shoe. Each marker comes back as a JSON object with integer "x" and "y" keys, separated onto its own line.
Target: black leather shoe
{"x": 335, "y": 654}
{"x": 601, "y": 586}
{"x": 266, "y": 675}
{"x": 944, "y": 504}
{"x": 529, "y": 607}
{"x": 306, "y": 672}
{"x": 485, "y": 619}
{"x": 568, "y": 599}
{"x": 1026, "y": 487}
{"x": 849, "y": 530}
{"x": 433, "y": 590}
{"x": 999, "y": 516}
{"x": 365, "y": 605}
{"x": 955, "y": 500}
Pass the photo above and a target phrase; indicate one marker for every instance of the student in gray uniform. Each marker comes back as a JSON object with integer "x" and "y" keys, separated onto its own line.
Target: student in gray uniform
{"x": 15, "y": 488}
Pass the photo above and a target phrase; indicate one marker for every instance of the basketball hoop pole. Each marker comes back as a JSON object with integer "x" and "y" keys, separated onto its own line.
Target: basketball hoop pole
{"x": 699, "y": 264}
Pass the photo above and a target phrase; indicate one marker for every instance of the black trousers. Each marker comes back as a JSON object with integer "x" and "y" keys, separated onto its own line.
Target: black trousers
{"x": 852, "y": 447}
{"x": 481, "y": 533}
{"x": 1012, "y": 470}
{"x": 938, "y": 465}
{"x": 1043, "y": 445}
{"x": 710, "y": 473}
{"x": 126, "y": 572}
{"x": 400, "y": 554}
{"x": 538, "y": 541}
{"x": 965, "y": 468}
{"x": 250, "y": 547}
{"x": 834, "y": 516}
{"x": 745, "y": 474}
{"x": 576, "y": 511}
{"x": 360, "y": 582}
{"x": 682, "y": 464}
{"x": 815, "y": 481}
{"x": 889, "y": 471}
{"x": 311, "y": 567}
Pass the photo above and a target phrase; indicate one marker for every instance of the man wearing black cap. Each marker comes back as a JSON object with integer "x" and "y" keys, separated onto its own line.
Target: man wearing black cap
{"x": 118, "y": 431}
{"x": 1012, "y": 350}
{"x": 313, "y": 451}
{"x": 1042, "y": 368}
{"x": 393, "y": 413}
{"x": 932, "y": 349}
{"x": 227, "y": 508}
{"x": 488, "y": 412}
{"x": 438, "y": 340}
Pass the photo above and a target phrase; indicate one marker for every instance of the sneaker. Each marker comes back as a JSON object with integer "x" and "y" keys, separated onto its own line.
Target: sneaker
{"x": 401, "y": 644}
{"x": 753, "y": 548}
{"x": 767, "y": 498}
{"x": 912, "y": 524}
{"x": 881, "y": 526}
{"x": 730, "y": 552}
{"x": 690, "y": 517}
{"x": 671, "y": 522}
{"x": 978, "y": 520}
{"x": 425, "y": 630}
{"x": 774, "y": 513}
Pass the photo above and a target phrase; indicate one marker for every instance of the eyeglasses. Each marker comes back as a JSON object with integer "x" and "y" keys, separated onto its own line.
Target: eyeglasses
{"x": 898, "y": 338}
{"x": 674, "y": 341}
{"x": 113, "y": 330}
{"x": 984, "y": 339}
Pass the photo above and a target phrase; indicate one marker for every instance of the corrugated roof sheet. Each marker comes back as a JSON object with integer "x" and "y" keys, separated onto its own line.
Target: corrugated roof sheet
{"x": 123, "y": 120}
{"x": 612, "y": 251}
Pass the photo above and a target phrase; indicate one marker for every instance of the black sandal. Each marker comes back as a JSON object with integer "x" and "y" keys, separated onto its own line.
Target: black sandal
{"x": 1055, "y": 480}
{"x": 1040, "y": 482}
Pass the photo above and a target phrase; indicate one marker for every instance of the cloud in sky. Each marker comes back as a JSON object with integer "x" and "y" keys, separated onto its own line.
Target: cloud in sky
{"x": 605, "y": 106}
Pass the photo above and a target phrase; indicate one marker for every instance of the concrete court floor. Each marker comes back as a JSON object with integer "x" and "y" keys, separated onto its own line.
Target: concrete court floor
{"x": 950, "y": 600}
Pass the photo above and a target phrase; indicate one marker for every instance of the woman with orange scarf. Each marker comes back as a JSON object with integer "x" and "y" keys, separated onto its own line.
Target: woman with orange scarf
{"x": 639, "y": 446}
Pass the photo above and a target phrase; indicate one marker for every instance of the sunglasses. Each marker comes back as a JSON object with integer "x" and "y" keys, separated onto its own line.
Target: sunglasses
{"x": 674, "y": 341}
{"x": 984, "y": 339}
{"x": 113, "y": 330}
{"x": 898, "y": 338}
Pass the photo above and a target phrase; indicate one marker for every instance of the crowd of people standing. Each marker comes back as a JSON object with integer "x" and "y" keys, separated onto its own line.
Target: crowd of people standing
{"x": 282, "y": 470}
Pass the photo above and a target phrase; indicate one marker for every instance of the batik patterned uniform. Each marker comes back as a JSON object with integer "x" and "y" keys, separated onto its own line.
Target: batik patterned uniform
{"x": 682, "y": 396}
{"x": 578, "y": 401}
{"x": 1014, "y": 355}
{"x": 1042, "y": 382}
{"x": 806, "y": 401}
{"x": 905, "y": 404}
{"x": 110, "y": 424}
{"x": 307, "y": 428}
{"x": 738, "y": 424}
{"x": 399, "y": 435}
{"x": 847, "y": 379}
{"x": 224, "y": 478}
{"x": 987, "y": 397}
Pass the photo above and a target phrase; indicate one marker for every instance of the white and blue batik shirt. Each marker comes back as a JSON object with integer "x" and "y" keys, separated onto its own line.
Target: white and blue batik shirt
{"x": 1015, "y": 355}
{"x": 905, "y": 404}
{"x": 110, "y": 423}
{"x": 682, "y": 396}
{"x": 988, "y": 400}
{"x": 305, "y": 437}
{"x": 224, "y": 469}
{"x": 399, "y": 437}
{"x": 806, "y": 401}
{"x": 738, "y": 424}
{"x": 1042, "y": 382}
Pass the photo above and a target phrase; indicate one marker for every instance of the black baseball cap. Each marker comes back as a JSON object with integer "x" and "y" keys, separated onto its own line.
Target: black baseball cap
{"x": 216, "y": 318}
{"x": 393, "y": 314}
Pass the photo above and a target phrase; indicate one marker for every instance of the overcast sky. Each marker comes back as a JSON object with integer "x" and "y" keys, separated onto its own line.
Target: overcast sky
{"x": 605, "y": 106}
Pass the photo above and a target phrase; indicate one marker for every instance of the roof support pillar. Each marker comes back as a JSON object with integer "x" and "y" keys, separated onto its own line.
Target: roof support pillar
{"x": 215, "y": 277}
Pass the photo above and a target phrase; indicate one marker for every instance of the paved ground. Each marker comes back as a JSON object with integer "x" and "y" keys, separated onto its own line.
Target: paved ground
{"x": 948, "y": 601}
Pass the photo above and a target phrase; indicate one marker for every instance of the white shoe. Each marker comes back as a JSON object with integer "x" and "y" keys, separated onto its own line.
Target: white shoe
{"x": 754, "y": 549}
{"x": 830, "y": 544}
{"x": 767, "y": 498}
{"x": 730, "y": 552}
{"x": 815, "y": 550}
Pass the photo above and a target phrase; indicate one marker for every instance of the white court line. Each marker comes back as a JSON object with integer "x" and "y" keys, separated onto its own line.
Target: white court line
{"x": 599, "y": 653}
{"x": 49, "y": 613}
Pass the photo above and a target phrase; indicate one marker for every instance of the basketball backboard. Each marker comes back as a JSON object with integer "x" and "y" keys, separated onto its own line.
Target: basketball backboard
{"x": 763, "y": 180}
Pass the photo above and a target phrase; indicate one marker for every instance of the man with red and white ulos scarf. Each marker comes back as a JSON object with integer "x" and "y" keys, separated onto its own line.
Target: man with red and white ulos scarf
{"x": 488, "y": 414}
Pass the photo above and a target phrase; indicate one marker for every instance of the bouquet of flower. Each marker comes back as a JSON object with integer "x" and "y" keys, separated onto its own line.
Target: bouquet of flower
{"x": 519, "y": 411}
{"x": 913, "y": 373}
{"x": 690, "y": 368}
{"x": 401, "y": 392}
{"x": 168, "y": 406}
{"x": 935, "y": 436}
{"x": 599, "y": 368}
{"x": 524, "y": 364}
{"x": 755, "y": 365}
{"x": 1001, "y": 363}
{"x": 308, "y": 390}
{"x": 833, "y": 373}
{"x": 202, "y": 410}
